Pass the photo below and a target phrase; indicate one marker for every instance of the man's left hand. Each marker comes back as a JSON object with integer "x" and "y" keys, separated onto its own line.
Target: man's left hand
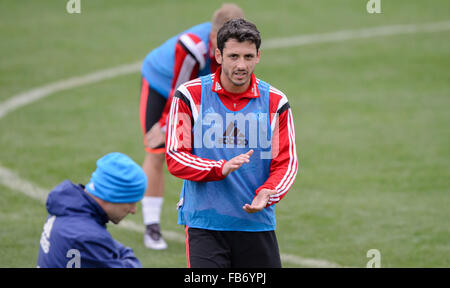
{"x": 260, "y": 201}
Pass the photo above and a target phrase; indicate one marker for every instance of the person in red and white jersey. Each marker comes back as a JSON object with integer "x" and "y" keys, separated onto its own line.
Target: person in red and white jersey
{"x": 218, "y": 130}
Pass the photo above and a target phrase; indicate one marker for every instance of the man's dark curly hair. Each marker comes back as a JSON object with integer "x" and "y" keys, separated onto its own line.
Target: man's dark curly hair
{"x": 240, "y": 30}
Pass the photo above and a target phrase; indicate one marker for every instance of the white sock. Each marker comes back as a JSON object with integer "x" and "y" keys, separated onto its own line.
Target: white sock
{"x": 151, "y": 209}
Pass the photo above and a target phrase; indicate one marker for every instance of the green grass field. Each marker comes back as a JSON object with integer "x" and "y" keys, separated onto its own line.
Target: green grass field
{"x": 372, "y": 121}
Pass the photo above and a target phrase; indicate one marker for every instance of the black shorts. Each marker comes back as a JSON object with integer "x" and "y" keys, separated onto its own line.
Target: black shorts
{"x": 231, "y": 249}
{"x": 152, "y": 105}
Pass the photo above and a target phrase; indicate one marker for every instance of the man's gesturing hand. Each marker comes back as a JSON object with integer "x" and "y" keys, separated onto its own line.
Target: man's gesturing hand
{"x": 260, "y": 201}
{"x": 236, "y": 163}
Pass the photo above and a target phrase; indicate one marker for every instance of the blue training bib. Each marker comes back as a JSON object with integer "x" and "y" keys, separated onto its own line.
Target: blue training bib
{"x": 220, "y": 133}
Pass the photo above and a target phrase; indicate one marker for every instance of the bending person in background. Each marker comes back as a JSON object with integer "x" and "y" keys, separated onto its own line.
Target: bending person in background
{"x": 183, "y": 57}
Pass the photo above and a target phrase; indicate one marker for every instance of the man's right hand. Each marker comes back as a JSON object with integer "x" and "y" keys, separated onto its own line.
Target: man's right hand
{"x": 236, "y": 163}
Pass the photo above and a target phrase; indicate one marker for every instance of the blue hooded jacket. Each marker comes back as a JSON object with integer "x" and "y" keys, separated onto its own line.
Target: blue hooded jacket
{"x": 75, "y": 234}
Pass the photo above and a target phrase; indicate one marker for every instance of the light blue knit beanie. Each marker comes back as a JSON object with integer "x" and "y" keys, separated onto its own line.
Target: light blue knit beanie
{"x": 118, "y": 179}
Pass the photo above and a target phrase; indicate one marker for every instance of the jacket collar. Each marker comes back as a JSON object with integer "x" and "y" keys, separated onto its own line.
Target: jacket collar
{"x": 97, "y": 213}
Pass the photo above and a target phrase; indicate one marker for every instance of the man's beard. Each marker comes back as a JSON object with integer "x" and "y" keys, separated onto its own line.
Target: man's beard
{"x": 242, "y": 82}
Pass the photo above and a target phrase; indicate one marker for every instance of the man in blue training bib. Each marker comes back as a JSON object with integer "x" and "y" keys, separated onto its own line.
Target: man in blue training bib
{"x": 231, "y": 137}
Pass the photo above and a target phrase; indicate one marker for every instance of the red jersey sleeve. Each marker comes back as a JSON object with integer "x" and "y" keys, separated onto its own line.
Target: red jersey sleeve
{"x": 179, "y": 158}
{"x": 284, "y": 165}
{"x": 190, "y": 56}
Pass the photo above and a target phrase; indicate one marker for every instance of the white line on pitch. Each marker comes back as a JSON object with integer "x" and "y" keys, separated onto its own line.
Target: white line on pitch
{"x": 14, "y": 182}
{"x": 344, "y": 35}
{"x": 33, "y": 95}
